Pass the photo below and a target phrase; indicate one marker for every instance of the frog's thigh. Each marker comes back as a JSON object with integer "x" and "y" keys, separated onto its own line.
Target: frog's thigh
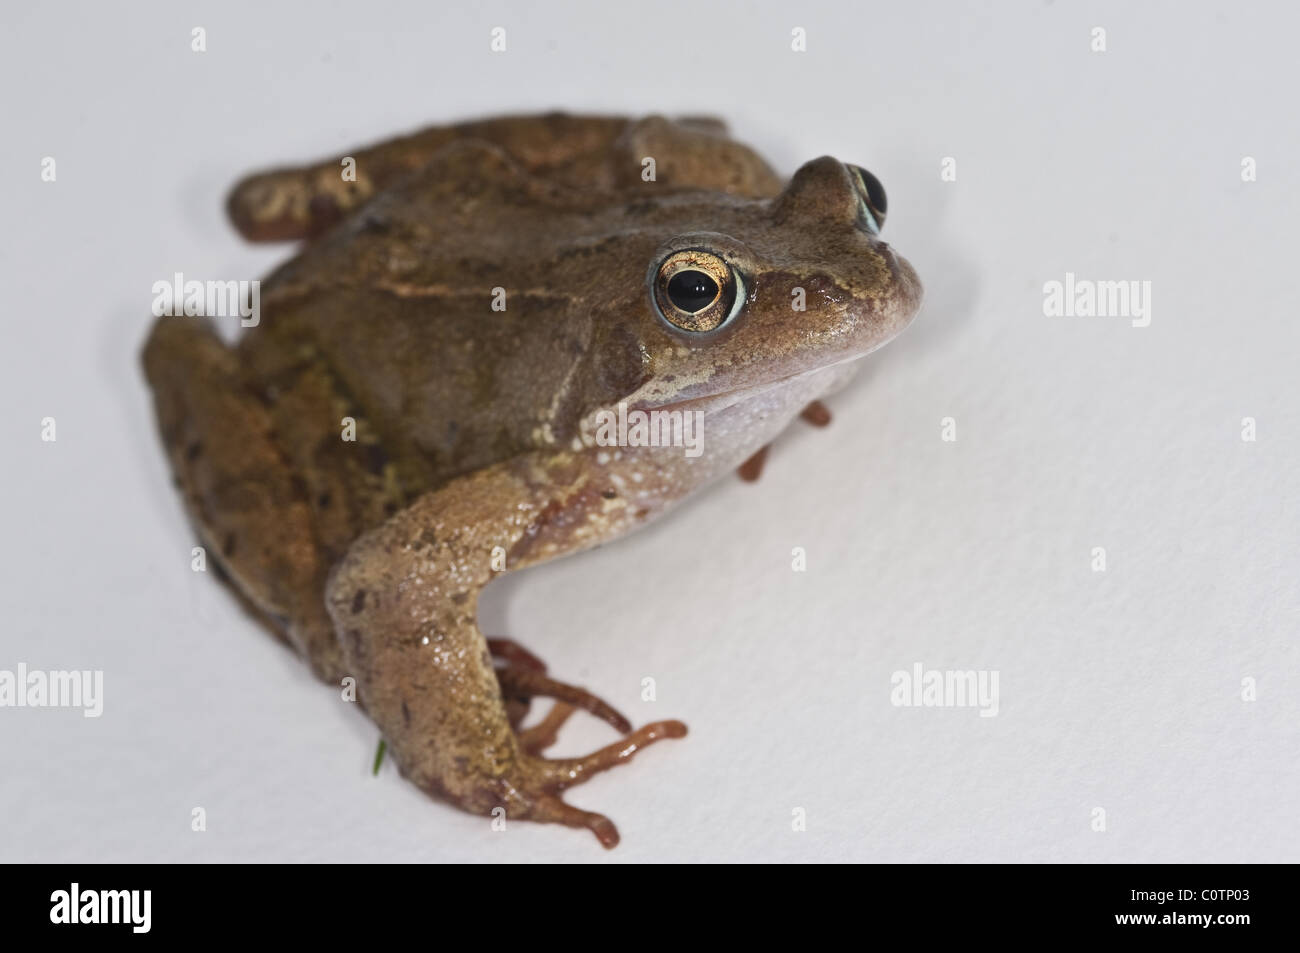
{"x": 250, "y": 511}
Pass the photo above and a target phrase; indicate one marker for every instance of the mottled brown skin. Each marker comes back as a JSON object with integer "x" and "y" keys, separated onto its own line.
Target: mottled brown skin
{"x": 369, "y": 555}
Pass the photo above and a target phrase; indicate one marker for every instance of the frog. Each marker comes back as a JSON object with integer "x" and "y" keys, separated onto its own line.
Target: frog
{"x": 414, "y": 413}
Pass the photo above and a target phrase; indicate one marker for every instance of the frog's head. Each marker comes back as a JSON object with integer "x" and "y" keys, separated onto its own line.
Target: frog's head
{"x": 771, "y": 290}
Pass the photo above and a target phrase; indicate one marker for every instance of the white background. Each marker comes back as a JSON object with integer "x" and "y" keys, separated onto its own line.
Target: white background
{"x": 1119, "y": 690}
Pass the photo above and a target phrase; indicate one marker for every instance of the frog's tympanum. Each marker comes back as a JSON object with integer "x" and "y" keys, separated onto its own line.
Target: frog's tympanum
{"x": 415, "y": 412}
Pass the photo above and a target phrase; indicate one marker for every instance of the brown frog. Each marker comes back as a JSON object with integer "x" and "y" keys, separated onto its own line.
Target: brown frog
{"x": 424, "y": 403}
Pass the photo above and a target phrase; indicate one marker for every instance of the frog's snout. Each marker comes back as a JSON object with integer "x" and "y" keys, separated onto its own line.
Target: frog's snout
{"x": 908, "y": 284}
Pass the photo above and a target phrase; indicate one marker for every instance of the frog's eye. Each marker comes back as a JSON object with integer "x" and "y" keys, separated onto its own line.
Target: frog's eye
{"x": 695, "y": 290}
{"x": 872, "y": 194}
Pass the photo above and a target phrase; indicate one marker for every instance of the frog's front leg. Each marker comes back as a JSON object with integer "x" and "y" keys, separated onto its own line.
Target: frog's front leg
{"x": 404, "y": 603}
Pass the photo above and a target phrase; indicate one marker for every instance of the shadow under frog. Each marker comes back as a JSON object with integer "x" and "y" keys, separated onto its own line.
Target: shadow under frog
{"x": 474, "y": 447}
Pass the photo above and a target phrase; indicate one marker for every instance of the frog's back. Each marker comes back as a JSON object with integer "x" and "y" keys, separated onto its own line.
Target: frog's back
{"x": 462, "y": 316}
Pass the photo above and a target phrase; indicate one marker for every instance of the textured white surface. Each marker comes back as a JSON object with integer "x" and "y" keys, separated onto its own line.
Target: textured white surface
{"x": 1119, "y": 690}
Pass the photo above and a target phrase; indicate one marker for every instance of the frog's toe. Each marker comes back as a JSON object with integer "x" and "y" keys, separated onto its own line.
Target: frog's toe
{"x": 817, "y": 414}
{"x": 752, "y": 469}
{"x": 514, "y": 654}
{"x": 524, "y": 684}
{"x": 566, "y": 772}
{"x": 539, "y": 737}
{"x": 511, "y": 654}
{"x": 552, "y": 809}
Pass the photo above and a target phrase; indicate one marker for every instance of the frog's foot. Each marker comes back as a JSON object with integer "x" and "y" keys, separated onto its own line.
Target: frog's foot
{"x": 535, "y": 794}
{"x": 522, "y": 677}
{"x": 816, "y": 413}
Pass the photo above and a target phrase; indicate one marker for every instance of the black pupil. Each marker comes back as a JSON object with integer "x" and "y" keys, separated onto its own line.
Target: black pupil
{"x": 692, "y": 290}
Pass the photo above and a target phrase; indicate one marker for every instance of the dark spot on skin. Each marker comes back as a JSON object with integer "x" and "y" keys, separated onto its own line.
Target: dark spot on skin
{"x": 459, "y": 598}
{"x": 193, "y": 451}
{"x": 373, "y": 224}
{"x": 358, "y": 601}
{"x": 323, "y": 501}
{"x": 608, "y": 494}
{"x": 374, "y": 457}
{"x": 462, "y": 763}
{"x": 406, "y": 713}
{"x": 428, "y": 537}
{"x": 228, "y": 547}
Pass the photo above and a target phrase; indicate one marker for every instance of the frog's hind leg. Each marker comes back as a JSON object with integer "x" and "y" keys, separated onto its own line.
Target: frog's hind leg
{"x": 586, "y": 152}
{"x": 251, "y": 512}
{"x": 297, "y": 202}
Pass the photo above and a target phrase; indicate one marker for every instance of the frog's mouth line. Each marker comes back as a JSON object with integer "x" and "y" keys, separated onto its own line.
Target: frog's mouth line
{"x": 737, "y": 395}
